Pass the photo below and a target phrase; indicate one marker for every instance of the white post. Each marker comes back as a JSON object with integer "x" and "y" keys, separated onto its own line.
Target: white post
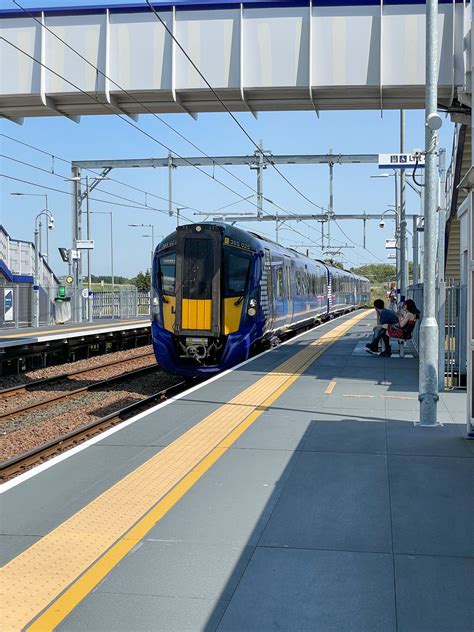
{"x": 429, "y": 332}
{"x": 441, "y": 265}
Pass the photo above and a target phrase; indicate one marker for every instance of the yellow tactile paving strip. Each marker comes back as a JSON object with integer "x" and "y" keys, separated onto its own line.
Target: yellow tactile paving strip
{"x": 66, "y": 564}
{"x": 85, "y": 328}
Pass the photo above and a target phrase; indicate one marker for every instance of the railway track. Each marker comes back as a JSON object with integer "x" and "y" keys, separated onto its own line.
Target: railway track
{"x": 11, "y": 391}
{"x": 14, "y": 466}
{"x": 88, "y": 388}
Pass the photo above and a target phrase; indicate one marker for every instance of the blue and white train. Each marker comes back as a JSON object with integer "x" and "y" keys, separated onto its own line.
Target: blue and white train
{"x": 219, "y": 291}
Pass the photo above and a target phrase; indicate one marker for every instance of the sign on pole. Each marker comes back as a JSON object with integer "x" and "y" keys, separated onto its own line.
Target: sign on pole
{"x": 390, "y": 244}
{"x": 401, "y": 161}
{"x": 85, "y": 244}
{"x": 391, "y": 256}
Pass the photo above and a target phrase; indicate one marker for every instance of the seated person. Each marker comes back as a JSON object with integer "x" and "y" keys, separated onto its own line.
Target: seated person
{"x": 384, "y": 317}
{"x": 403, "y": 329}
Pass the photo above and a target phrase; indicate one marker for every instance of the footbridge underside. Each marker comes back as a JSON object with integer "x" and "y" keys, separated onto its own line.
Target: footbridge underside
{"x": 258, "y": 56}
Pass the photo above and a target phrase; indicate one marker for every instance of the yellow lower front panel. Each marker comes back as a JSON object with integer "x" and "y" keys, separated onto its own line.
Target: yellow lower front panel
{"x": 169, "y": 312}
{"x": 196, "y": 314}
{"x": 232, "y": 315}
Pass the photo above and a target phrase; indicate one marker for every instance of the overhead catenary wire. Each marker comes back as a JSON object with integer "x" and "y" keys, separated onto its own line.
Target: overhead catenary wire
{"x": 234, "y": 118}
{"x": 112, "y": 109}
{"x": 123, "y": 118}
{"x": 356, "y": 244}
{"x": 155, "y": 115}
{"x": 93, "y": 198}
{"x": 95, "y": 173}
{"x": 130, "y": 95}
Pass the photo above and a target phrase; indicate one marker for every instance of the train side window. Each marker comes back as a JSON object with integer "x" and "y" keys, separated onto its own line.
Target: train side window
{"x": 279, "y": 275}
{"x": 236, "y": 273}
{"x": 268, "y": 268}
{"x": 167, "y": 273}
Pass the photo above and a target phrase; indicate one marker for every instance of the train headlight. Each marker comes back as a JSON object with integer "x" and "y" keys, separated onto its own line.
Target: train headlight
{"x": 252, "y": 309}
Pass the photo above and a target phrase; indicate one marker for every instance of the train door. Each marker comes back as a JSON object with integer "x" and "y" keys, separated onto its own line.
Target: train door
{"x": 288, "y": 293}
{"x": 267, "y": 293}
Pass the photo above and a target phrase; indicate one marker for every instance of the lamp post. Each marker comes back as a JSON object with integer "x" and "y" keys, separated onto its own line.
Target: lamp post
{"x": 400, "y": 254}
{"x": 45, "y": 196}
{"x": 36, "y": 283}
{"x": 77, "y": 223}
{"x": 152, "y": 240}
{"x": 109, "y": 213}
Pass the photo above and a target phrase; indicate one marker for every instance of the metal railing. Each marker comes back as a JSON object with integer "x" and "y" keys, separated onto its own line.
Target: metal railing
{"x": 455, "y": 330}
{"x": 121, "y": 303}
{"x": 16, "y": 305}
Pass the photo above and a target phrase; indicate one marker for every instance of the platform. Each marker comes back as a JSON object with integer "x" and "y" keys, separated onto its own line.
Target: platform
{"x": 291, "y": 493}
{"x": 33, "y": 335}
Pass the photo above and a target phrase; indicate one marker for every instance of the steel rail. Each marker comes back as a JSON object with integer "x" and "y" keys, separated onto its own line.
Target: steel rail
{"x": 82, "y": 389}
{"x": 12, "y": 390}
{"x": 39, "y": 454}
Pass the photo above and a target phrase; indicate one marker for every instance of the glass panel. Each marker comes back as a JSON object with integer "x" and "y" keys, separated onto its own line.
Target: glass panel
{"x": 167, "y": 272}
{"x": 198, "y": 269}
{"x": 236, "y": 268}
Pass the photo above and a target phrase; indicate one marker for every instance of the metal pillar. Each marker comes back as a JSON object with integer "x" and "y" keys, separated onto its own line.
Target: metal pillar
{"x": 76, "y": 312}
{"x": 89, "y": 284}
{"x": 170, "y": 184}
{"x": 416, "y": 265}
{"x": 421, "y": 235}
{"x": 331, "y": 198}
{"x": 403, "y": 224}
{"x": 428, "y": 395}
{"x": 36, "y": 284}
{"x": 440, "y": 275}
{"x": 397, "y": 233}
{"x": 112, "y": 260}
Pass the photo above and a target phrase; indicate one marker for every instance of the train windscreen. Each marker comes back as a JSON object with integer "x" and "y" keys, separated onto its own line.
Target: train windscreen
{"x": 198, "y": 269}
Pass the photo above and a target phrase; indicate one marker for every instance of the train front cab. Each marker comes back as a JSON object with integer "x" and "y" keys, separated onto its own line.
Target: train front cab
{"x": 206, "y": 284}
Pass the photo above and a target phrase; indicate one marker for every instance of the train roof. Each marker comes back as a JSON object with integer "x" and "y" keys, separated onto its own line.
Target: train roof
{"x": 257, "y": 242}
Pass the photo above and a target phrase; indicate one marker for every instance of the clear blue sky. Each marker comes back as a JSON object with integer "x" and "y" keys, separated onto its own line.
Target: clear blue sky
{"x": 216, "y": 134}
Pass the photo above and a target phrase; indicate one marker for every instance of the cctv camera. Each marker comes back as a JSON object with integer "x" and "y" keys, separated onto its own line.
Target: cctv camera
{"x": 381, "y": 224}
{"x": 51, "y": 225}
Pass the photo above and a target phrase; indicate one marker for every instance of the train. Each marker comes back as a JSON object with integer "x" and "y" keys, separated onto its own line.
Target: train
{"x": 219, "y": 292}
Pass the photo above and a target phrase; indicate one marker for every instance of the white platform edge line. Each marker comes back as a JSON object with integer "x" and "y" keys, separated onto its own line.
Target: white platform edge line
{"x": 62, "y": 457}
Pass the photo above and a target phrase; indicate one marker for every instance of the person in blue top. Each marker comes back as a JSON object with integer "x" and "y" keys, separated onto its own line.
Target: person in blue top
{"x": 384, "y": 317}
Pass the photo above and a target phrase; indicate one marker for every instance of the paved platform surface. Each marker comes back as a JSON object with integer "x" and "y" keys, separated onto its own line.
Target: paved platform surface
{"x": 331, "y": 512}
{"x": 10, "y": 337}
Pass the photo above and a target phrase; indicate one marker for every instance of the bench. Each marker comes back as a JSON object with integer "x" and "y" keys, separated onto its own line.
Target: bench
{"x": 401, "y": 335}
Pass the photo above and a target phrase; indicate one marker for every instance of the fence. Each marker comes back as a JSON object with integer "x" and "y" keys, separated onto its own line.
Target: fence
{"x": 16, "y": 307}
{"x": 455, "y": 329}
{"x": 121, "y": 303}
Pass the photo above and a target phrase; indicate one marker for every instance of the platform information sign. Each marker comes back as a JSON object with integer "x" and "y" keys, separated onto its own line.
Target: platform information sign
{"x": 401, "y": 161}
{"x": 8, "y": 304}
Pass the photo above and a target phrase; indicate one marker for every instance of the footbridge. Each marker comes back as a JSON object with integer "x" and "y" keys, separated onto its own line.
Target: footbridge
{"x": 256, "y": 56}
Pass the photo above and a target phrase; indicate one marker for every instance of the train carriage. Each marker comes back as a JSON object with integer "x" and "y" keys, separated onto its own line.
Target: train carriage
{"x": 219, "y": 290}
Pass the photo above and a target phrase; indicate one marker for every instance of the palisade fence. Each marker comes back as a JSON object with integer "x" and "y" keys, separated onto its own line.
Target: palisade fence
{"x": 455, "y": 330}
{"x": 123, "y": 303}
{"x": 16, "y": 305}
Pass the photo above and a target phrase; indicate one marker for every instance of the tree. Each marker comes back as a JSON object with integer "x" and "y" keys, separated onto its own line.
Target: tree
{"x": 142, "y": 281}
{"x": 376, "y": 272}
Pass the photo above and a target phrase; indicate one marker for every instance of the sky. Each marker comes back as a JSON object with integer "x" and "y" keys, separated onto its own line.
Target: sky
{"x": 104, "y": 137}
